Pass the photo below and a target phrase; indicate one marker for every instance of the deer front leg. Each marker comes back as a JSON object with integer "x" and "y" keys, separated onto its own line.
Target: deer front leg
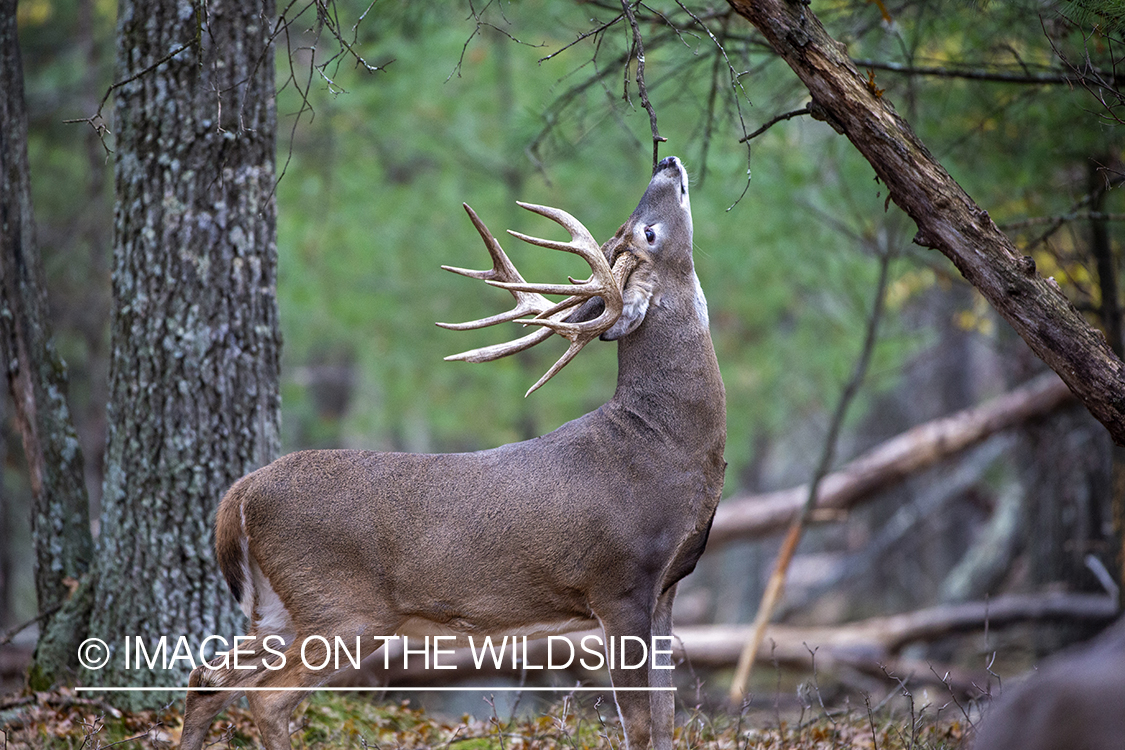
{"x": 632, "y": 704}
{"x": 662, "y": 703}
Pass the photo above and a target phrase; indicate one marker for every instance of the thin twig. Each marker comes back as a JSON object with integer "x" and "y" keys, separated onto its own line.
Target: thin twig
{"x": 780, "y": 118}
{"x": 97, "y": 122}
{"x": 735, "y": 83}
{"x": 477, "y": 16}
{"x": 581, "y": 37}
{"x": 1070, "y": 216}
{"x": 1057, "y": 222}
{"x": 12, "y": 632}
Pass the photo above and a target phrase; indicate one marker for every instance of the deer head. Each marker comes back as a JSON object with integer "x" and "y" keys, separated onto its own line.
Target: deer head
{"x": 654, "y": 243}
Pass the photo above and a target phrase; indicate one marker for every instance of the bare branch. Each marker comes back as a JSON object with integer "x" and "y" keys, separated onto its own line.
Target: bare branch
{"x": 1051, "y": 77}
{"x": 805, "y": 110}
{"x": 1102, "y": 84}
{"x": 639, "y": 53}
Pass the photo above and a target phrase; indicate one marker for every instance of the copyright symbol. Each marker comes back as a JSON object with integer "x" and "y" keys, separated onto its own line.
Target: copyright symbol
{"x": 93, "y": 654}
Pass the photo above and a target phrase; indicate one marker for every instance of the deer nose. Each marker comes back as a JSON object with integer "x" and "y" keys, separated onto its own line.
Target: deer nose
{"x": 668, "y": 162}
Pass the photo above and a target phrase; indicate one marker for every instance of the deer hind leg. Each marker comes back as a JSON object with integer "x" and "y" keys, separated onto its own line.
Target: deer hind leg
{"x": 300, "y": 675}
{"x": 201, "y": 707}
{"x": 633, "y": 704}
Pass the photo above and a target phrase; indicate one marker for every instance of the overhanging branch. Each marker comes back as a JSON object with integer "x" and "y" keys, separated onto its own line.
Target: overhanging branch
{"x": 948, "y": 220}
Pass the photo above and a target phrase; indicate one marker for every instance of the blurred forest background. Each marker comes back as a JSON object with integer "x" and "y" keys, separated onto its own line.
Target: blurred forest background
{"x": 484, "y": 105}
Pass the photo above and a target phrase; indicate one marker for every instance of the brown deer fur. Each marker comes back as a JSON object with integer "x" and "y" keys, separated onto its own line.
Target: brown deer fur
{"x": 591, "y": 524}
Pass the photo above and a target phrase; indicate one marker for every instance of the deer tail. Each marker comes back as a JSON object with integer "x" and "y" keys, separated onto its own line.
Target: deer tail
{"x": 232, "y": 546}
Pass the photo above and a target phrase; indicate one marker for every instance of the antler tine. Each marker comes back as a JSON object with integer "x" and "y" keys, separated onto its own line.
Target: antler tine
{"x": 571, "y": 351}
{"x": 502, "y": 267}
{"x": 503, "y": 270}
{"x": 604, "y": 282}
{"x": 581, "y": 334}
{"x": 614, "y": 304}
{"x": 581, "y": 243}
{"x": 578, "y": 232}
{"x": 601, "y": 282}
{"x": 496, "y": 351}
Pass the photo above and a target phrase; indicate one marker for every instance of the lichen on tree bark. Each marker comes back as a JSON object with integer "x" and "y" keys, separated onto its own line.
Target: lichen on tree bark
{"x": 194, "y": 393}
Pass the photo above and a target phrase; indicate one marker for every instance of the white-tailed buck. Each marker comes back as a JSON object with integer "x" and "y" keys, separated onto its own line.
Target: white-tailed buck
{"x": 591, "y": 525}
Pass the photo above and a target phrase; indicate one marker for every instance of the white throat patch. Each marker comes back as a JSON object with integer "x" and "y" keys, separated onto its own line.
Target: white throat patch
{"x": 701, "y": 303}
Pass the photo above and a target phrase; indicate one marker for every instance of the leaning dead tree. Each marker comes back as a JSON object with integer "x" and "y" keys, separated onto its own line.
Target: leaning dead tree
{"x": 948, "y": 219}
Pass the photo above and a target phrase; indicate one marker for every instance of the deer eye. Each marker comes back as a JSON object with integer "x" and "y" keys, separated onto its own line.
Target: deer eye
{"x": 650, "y": 235}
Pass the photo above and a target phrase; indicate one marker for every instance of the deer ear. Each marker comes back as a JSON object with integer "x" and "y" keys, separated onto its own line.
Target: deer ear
{"x": 636, "y": 296}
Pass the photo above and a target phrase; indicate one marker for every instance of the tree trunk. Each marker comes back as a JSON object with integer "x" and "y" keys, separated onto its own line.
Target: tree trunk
{"x": 194, "y": 373}
{"x": 1106, "y": 262}
{"x": 947, "y": 218}
{"x": 37, "y": 379}
{"x": 6, "y": 536}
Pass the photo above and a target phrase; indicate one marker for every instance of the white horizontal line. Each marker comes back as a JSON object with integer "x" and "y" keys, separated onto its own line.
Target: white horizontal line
{"x": 483, "y": 689}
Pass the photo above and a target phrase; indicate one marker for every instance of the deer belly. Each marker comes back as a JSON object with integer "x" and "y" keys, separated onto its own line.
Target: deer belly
{"x": 464, "y": 630}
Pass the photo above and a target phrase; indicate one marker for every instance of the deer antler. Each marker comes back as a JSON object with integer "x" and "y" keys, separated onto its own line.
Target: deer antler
{"x": 604, "y": 282}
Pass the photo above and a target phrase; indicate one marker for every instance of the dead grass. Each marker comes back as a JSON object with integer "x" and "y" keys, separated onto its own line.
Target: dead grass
{"x": 332, "y": 721}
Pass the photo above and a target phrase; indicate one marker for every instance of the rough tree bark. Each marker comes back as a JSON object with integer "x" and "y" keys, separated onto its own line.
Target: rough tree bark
{"x": 194, "y": 380}
{"x": 947, "y": 218}
{"x": 891, "y": 461}
{"x": 37, "y": 379}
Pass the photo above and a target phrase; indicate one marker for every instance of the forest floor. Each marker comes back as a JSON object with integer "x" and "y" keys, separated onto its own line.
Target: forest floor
{"x": 341, "y": 720}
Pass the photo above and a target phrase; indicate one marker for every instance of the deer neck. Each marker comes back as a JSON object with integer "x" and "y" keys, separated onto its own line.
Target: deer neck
{"x": 668, "y": 376}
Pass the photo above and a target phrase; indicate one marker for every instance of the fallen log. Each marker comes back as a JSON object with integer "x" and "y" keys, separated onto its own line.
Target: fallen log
{"x": 871, "y": 646}
{"x": 880, "y": 638}
{"x": 920, "y": 447}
